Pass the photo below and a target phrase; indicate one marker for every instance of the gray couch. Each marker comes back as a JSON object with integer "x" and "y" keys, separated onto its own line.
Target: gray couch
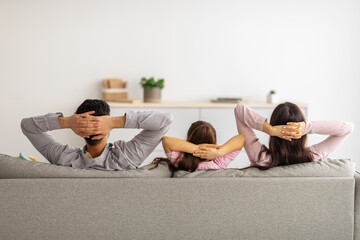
{"x": 304, "y": 201}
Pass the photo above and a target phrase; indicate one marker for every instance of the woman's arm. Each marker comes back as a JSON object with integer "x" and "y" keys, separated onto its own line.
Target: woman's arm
{"x": 338, "y": 131}
{"x": 246, "y": 121}
{"x": 235, "y": 143}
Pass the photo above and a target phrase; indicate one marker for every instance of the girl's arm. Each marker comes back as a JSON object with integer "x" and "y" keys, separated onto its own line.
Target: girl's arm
{"x": 175, "y": 144}
{"x": 222, "y": 157}
{"x": 338, "y": 131}
{"x": 235, "y": 143}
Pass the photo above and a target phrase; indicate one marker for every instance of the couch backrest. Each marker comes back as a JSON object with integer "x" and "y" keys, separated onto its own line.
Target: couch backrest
{"x": 11, "y": 167}
{"x": 327, "y": 168}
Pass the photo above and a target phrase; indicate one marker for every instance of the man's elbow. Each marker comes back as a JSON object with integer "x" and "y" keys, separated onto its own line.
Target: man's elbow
{"x": 168, "y": 118}
{"x": 23, "y": 125}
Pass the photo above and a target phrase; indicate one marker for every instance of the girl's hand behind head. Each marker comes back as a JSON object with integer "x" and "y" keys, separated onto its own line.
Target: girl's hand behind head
{"x": 207, "y": 153}
{"x": 207, "y": 145}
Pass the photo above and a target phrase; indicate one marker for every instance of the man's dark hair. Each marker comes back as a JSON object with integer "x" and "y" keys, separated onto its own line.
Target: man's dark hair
{"x": 100, "y": 107}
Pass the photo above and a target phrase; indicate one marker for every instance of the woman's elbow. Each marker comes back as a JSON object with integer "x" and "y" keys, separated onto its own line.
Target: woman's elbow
{"x": 349, "y": 128}
{"x": 239, "y": 109}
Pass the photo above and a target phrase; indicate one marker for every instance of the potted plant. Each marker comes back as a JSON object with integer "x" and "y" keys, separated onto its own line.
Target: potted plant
{"x": 152, "y": 89}
{"x": 272, "y": 97}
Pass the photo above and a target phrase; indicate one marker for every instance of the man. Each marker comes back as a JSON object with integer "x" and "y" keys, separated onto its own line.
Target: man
{"x": 93, "y": 122}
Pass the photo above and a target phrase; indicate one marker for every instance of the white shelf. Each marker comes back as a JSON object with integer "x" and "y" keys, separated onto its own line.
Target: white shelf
{"x": 193, "y": 105}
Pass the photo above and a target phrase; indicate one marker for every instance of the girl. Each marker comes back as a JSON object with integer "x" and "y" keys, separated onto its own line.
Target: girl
{"x": 288, "y": 131}
{"x": 200, "y": 150}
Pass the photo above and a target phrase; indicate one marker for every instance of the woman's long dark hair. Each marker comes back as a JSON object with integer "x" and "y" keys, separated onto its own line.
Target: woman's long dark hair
{"x": 198, "y": 133}
{"x": 284, "y": 152}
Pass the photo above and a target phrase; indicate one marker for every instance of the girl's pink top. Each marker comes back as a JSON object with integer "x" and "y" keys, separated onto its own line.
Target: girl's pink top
{"x": 247, "y": 120}
{"x": 216, "y": 163}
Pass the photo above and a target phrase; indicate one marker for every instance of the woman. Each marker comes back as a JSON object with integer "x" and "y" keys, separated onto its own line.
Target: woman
{"x": 200, "y": 150}
{"x": 288, "y": 131}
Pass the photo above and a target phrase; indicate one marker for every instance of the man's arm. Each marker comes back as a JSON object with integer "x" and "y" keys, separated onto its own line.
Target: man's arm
{"x": 154, "y": 125}
{"x": 36, "y": 130}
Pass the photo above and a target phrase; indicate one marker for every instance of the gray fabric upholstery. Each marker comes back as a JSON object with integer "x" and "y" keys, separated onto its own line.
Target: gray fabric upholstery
{"x": 303, "y": 201}
{"x": 328, "y": 168}
{"x": 11, "y": 167}
{"x": 227, "y": 208}
{"x": 357, "y": 206}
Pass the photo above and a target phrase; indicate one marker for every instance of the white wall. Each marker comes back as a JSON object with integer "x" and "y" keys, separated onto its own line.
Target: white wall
{"x": 54, "y": 54}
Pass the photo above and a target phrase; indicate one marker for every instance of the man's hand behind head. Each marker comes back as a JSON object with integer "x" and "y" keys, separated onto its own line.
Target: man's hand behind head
{"x": 82, "y": 124}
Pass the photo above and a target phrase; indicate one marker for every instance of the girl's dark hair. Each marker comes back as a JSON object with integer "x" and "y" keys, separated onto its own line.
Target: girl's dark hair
{"x": 284, "y": 152}
{"x": 198, "y": 133}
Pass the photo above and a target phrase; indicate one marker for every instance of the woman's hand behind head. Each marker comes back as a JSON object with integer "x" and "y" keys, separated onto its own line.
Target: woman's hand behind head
{"x": 298, "y": 128}
{"x": 293, "y": 130}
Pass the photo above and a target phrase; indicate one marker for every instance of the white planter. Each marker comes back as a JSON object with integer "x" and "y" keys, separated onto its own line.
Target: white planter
{"x": 272, "y": 98}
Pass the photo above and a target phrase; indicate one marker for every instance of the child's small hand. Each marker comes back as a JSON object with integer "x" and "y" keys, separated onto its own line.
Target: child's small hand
{"x": 207, "y": 153}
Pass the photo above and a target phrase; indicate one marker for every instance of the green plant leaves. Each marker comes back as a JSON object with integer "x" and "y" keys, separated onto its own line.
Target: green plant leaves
{"x": 151, "y": 83}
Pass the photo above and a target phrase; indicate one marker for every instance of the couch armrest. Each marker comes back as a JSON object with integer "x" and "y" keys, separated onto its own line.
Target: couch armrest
{"x": 357, "y": 207}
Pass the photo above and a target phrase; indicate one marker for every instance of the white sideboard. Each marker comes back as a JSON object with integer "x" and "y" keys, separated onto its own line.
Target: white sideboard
{"x": 221, "y": 116}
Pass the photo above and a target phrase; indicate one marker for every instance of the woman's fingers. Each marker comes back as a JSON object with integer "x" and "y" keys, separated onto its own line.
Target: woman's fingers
{"x": 299, "y": 126}
{"x": 288, "y": 132}
{"x": 296, "y": 125}
{"x": 288, "y": 138}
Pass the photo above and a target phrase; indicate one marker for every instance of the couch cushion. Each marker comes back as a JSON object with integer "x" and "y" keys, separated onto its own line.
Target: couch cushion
{"x": 11, "y": 167}
{"x": 327, "y": 168}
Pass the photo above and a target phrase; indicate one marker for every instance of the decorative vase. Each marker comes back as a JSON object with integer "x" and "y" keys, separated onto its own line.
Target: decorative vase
{"x": 152, "y": 95}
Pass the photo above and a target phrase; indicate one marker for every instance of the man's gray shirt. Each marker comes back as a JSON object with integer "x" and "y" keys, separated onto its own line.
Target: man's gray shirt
{"x": 118, "y": 156}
